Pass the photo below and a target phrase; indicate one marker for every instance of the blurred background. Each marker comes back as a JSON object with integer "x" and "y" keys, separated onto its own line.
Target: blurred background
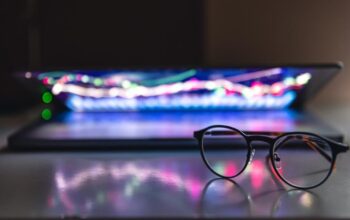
{"x": 39, "y": 34}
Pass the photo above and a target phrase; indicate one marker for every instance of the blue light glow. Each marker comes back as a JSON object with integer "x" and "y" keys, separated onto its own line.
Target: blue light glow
{"x": 78, "y": 103}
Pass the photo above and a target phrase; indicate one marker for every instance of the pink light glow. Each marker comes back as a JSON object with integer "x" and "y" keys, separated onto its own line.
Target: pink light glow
{"x": 257, "y": 88}
{"x": 190, "y": 185}
{"x": 257, "y": 174}
{"x": 230, "y": 169}
{"x": 46, "y": 80}
{"x": 277, "y": 88}
{"x": 195, "y": 189}
{"x": 79, "y": 77}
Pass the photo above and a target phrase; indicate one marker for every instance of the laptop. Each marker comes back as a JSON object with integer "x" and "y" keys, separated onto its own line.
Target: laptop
{"x": 159, "y": 108}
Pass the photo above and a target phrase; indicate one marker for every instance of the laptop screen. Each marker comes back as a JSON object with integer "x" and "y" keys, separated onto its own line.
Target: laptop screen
{"x": 123, "y": 107}
{"x": 176, "y": 89}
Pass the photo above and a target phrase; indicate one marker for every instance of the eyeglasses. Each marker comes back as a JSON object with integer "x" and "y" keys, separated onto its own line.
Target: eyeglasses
{"x": 300, "y": 159}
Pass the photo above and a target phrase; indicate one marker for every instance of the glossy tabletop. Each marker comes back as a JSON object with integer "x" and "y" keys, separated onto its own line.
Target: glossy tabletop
{"x": 157, "y": 184}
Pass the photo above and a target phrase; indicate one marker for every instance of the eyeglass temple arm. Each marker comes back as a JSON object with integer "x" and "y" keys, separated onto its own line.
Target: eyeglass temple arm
{"x": 198, "y": 134}
{"x": 245, "y": 132}
{"x": 342, "y": 147}
{"x": 313, "y": 146}
{"x": 220, "y": 132}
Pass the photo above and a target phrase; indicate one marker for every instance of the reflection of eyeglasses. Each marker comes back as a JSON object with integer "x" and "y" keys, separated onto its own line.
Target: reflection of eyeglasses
{"x": 222, "y": 197}
{"x": 301, "y": 159}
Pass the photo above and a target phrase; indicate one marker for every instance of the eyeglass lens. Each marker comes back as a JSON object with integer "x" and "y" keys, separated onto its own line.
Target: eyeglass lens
{"x": 225, "y": 150}
{"x": 302, "y": 160}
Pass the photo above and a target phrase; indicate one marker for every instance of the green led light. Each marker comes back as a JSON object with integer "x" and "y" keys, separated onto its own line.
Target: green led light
{"x": 98, "y": 82}
{"x": 46, "y": 114}
{"x": 47, "y": 97}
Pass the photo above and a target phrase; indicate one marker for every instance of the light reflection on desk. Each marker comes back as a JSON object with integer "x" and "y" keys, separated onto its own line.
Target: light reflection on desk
{"x": 179, "y": 185}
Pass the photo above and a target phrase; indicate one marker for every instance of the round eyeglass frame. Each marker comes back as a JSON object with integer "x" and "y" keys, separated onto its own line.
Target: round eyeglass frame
{"x": 336, "y": 148}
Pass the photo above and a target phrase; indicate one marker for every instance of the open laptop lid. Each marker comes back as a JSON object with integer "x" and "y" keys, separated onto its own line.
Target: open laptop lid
{"x": 183, "y": 88}
{"x": 135, "y": 105}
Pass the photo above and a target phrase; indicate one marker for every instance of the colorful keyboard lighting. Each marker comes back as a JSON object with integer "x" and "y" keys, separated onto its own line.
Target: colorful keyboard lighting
{"x": 273, "y": 88}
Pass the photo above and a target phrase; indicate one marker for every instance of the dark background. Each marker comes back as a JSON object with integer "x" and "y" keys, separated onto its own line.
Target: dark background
{"x": 39, "y": 34}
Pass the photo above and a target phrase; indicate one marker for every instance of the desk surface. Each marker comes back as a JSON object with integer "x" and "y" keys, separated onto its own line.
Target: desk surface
{"x": 172, "y": 184}
{"x": 158, "y": 184}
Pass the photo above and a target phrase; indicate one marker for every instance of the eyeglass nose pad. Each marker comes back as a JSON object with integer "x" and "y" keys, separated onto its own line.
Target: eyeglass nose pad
{"x": 251, "y": 156}
{"x": 277, "y": 160}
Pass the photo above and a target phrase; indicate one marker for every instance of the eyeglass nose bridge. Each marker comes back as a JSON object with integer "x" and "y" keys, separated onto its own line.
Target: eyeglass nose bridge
{"x": 262, "y": 138}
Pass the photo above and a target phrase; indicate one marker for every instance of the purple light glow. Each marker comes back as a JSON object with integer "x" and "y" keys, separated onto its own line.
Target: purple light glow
{"x": 192, "y": 89}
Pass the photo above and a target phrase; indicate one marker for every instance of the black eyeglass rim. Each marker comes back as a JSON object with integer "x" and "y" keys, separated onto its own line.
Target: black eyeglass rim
{"x": 336, "y": 148}
{"x": 333, "y": 158}
{"x": 201, "y": 132}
